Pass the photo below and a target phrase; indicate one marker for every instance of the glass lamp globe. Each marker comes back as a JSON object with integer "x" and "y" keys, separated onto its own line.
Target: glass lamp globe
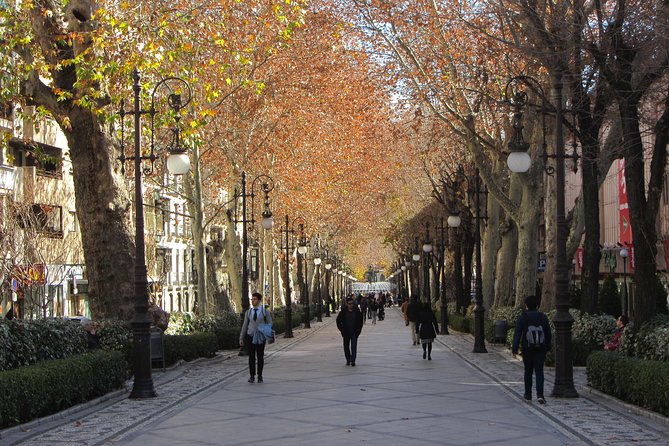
{"x": 519, "y": 162}
{"x": 178, "y": 163}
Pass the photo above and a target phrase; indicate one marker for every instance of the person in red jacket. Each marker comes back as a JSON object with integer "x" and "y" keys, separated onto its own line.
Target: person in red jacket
{"x": 614, "y": 343}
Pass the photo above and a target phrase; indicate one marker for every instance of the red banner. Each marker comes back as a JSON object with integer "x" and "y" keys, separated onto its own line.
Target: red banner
{"x": 624, "y": 212}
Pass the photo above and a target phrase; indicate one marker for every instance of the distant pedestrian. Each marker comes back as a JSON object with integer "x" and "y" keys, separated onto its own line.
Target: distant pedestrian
{"x": 427, "y": 329}
{"x": 349, "y": 323}
{"x": 373, "y": 310}
{"x": 412, "y": 315}
{"x": 255, "y": 316}
{"x": 533, "y": 335}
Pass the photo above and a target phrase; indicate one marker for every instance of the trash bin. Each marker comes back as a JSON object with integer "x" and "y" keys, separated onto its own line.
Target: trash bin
{"x": 157, "y": 346}
{"x": 499, "y": 329}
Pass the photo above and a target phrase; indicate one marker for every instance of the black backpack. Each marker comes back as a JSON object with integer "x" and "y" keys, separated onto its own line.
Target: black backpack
{"x": 534, "y": 333}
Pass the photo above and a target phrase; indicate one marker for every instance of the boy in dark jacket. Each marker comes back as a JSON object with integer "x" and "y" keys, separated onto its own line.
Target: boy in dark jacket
{"x": 533, "y": 350}
{"x": 349, "y": 323}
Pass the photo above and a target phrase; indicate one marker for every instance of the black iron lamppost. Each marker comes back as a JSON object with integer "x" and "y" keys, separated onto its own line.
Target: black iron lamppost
{"x": 267, "y": 223}
{"x": 479, "y": 309}
{"x": 563, "y": 321}
{"x": 427, "y": 250}
{"x": 289, "y": 232}
{"x": 328, "y": 267}
{"x": 319, "y": 300}
{"x": 302, "y": 270}
{"x": 624, "y": 253}
{"x": 178, "y": 164}
{"x": 416, "y": 272}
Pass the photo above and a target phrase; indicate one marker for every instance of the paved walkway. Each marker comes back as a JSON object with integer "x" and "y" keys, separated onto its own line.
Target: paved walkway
{"x": 310, "y": 396}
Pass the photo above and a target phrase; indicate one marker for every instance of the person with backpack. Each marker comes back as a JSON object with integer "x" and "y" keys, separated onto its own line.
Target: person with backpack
{"x": 533, "y": 336}
{"x": 254, "y": 317}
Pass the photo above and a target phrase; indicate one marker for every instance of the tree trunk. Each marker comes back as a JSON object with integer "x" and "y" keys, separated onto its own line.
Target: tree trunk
{"x": 528, "y": 232}
{"x": 233, "y": 261}
{"x": 506, "y": 261}
{"x": 104, "y": 213}
{"x": 193, "y": 189}
{"x": 491, "y": 245}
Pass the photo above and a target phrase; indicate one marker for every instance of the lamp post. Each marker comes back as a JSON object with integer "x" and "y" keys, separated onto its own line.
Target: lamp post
{"x": 416, "y": 272}
{"x": 288, "y": 231}
{"x": 178, "y": 164}
{"x": 302, "y": 269}
{"x": 479, "y": 310}
{"x": 563, "y": 321}
{"x": 427, "y": 250}
{"x": 267, "y": 223}
{"x": 452, "y": 221}
{"x": 319, "y": 301}
{"x": 624, "y": 253}
{"x": 328, "y": 267}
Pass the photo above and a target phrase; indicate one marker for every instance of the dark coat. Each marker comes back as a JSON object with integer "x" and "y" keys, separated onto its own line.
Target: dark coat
{"x": 521, "y": 327}
{"x": 341, "y": 322}
{"x": 413, "y": 309}
{"x": 426, "y": 325}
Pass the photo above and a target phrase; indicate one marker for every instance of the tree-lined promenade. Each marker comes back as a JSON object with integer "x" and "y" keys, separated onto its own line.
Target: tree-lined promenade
{"x": 376, "y": 123}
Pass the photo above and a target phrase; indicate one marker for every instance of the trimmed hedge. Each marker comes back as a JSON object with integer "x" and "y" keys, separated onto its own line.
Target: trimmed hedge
{"x": 189, "y": 347}
{"x": 640, "y": 382}
{"x": 50, "y": 386}
{"x": 26, "y": 342}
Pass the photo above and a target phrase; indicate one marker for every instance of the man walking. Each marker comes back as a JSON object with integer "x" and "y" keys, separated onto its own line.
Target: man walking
{"x": 413, "y": 309}
{"x": 349, "y": 323}
{"x": 533, "y": 335}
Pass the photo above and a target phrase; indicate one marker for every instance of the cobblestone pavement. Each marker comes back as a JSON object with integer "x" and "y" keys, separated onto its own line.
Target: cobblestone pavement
{"x": 108, "y": 420}
{"x": 592, "y": 419}
{"x": 595, "y": 418}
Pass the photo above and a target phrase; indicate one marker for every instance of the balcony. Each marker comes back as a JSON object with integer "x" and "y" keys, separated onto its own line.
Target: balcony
{"x": 7, "y": 179}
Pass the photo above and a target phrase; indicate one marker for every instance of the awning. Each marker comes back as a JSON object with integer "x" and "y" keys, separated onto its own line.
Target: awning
{"x": 372, "y": 287}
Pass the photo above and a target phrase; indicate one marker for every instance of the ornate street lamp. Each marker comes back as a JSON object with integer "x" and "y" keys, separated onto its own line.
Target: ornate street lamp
{"x": 302, "y": 269}
{"x": 288, "y": 232}
{"x": 267, "y": 222}
{"x": 427, "y": 250}
{"x": 178, "y": 164}
{"x": 328, "y": 268}
{"x": 563, "y": 321}
{"x": 319, "y": 301}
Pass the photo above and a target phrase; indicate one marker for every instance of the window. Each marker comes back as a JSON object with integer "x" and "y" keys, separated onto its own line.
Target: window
{"x": 43, "y": 218}
{"x": 73, "y": 224}
{"x": 48, "y": 160}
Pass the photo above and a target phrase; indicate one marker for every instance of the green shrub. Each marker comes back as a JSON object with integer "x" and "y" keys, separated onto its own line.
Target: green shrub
{"x": 650, "y": 342}
{"x": 458, "y": 322}
{"x": 640, "y": 382}
{"x": 227, "y": 337}
{"x": 27, "y": 341}
{"x": 180, "y": 323}
{"x": 189, "y": 347}
{"x": 114, "y": 334}
{"x": 50, "y": 386}
{"x": 592, "y": 330}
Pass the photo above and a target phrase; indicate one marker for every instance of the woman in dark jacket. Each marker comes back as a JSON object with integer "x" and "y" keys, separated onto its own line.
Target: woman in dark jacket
{"x": 427, "y": 329}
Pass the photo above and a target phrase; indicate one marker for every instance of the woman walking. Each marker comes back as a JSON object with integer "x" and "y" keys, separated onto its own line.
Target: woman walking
{"x": 255, "y": 316}
{"x": 427, "y": 329}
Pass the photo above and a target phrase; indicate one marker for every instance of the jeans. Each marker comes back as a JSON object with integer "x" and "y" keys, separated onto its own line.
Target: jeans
{"x": 255, "y": 350}
{"x": 350, "y": 347}
{"x": 534, "y": 363}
